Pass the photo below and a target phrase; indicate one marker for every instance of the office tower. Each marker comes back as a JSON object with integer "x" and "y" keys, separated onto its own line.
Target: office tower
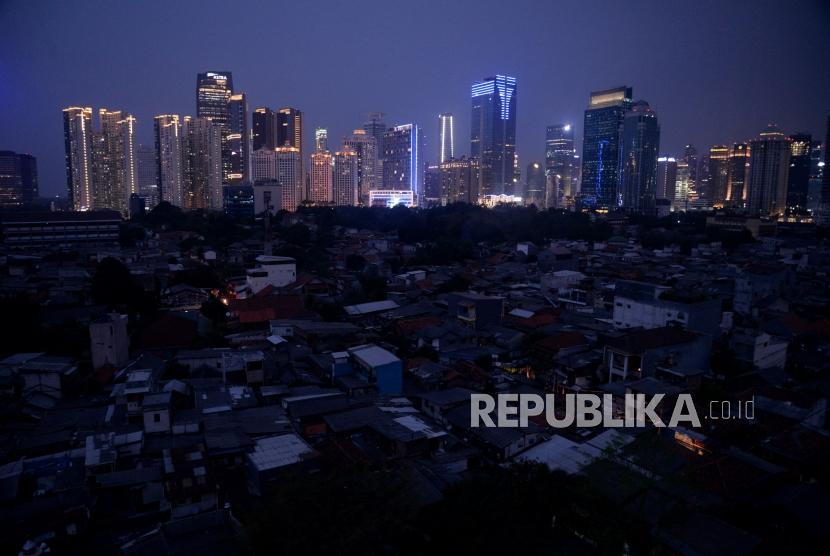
{"x": 682, "y": 186}
{"x": 238, "y": 139}
{"x": 264, "y": 122}
{"x": 816, "y": 171}
{"x": 738, "y": 174}
{"x": 346, "y": 187}
{"x": 825, "y": 181}
{"x": 718, "y": 174}
{"x": 493, "y": 132}
{"x": 798, "y": 176}
{"x": 320, "y": 191}
{"x": 768, "y": 170}
{"x": 203, "y": 155}
{"x": 460, "y": 181}
{"x": 666, "y": 177}
{"x": 213, "y": 95}
{"x": 535, "y": 190}
{"x": 290, "y": 128}
{"x": 365, "y": 146}
{"x": 321, "y": 139}
{"x": 290, "y": 176}
{"x": 18, "y": 179}
{"x": 170, "y": 159}
{"x": 690, "y": 158}
{"x": 446, "y": 137}
{"x": 376, "y": 127}
{"x": 601, "y": 147}
{"x": 638, "y": 158}
{"x": 77, "y": 133}
{"x": 147, "y": 175}
{"x": 702, "y": 190}
{"x": 402, "y": 168}
{"x": 263, "y": 165}
{"x": 432, "y": 185}
{"x": 559, "y": 157}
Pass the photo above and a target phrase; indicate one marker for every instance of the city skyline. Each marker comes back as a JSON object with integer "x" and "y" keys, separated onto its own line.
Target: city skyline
{"x": 747, "y": 100}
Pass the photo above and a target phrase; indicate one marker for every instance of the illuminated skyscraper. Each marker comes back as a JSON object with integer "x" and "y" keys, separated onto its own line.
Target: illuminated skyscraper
{"x": 375, "y": 127}
{"x": 559, "y": 158}
{"x": 77, "y": 133}
{"x": 321, "y": 177}
{"x": 290, "y": 176}
{"x": 114, "y": 161}
{"x": 346, "y": 187}
{"x": 460, "y": 181}
{"x": 768, "y": 171}
{"x": 493, "y": 132}
{"x": 825, "y": 180}
{"x": 738, "y": 173}
{"x": 321, "y": 139}
{"x": 264, "y": 129}
{"x": 682, "y": 186}
{"x": 169, "y": 159}
{"x": 535, "y": 189}
{"x": 798, "y": 177}
{"x": 402, "y": 166}
{"x": 718, "y": 174}
{"x": 203, "y": 153}
{"x": 213, "y": 96}
{"x": 367, "y": 161}
{"x": 446, "y": 141}
{"x": 666, "y": 177}
{"x": 690, "y": 158}
{"x": 290, "y": 128}
{"x": 18, "y": 179}
{"x": 238, "y": 139}
{"x": 263, "y": 165}
{"x": 601, "y": 147}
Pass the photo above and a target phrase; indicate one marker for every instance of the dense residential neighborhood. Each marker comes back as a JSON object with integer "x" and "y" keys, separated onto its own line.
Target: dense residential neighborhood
{"x": 191, "y": 382}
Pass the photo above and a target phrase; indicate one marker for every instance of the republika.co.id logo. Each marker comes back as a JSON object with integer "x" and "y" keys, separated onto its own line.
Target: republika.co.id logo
{"x": 594, "y": 410}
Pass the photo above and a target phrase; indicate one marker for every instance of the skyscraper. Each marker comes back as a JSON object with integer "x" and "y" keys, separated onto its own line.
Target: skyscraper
{"x": 666, "y": 177}
{"x": 738, "y": 173}
{"x": 559, "y": 157}
{"x": 446, "y": 140}
{"x": 798, "y": 177}
{"x": 690, "y": 158}
{"x": 18, "y": 179}
{"x": 321, "y": 139}
{"x": 493, "y": 132}
{"x": 682, "y": 186}
{"x": 148, "y": 175}
{"x": 169, "y": 159}
{"x": 290, "y": 128}
{"x": 718, "y": 174}
{"x": 290, "y": 176}
{"x": 376, "y": 127}
{"x": 263, "y": 165}
{"x": 768, "y": 170}
{"x": 460, "y": 181}
{"x": 825, "y": 182}
{"x": 264, "y": 129}
{"x": 367, "y": 161}
{"x": 116, "y": 166}
{"x": 203, "y": 153}
{"x": 321, "y": 177}
{"x": 601, "y": 147}
{"x": 238, "y": 139}
{"x": 346, "y": 178}
{"x": 402, "y": 167}
{"x": 77, "y": 133}
{"x": 213, "y": 95}
{"x": 535, "y": 193}
{"x": 638, "y": 158}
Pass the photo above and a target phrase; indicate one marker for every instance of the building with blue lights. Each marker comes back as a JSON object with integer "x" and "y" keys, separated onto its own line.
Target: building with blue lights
{"x": 601, "y": 147}
{"x": 403, "y": 168}
{"x": 493, "y": 132}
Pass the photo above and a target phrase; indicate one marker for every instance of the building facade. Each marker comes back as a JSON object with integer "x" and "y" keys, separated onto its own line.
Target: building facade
{"x": 77, "y": 133}
{"x": 402, "y": 167}
{"x": 446, "y": 137}
{"x": 638, "y": 158}
{"x": 346, "y": 185}
{"x": 18, "y": 179}
{"x": 493, "y": 132}
{"x": 169, "y": 159}
{"x": 321, "y": 177}
{"x": 365, "y": 146}
{"x": 768, "y": 171}
{"x": 559, "y": 157}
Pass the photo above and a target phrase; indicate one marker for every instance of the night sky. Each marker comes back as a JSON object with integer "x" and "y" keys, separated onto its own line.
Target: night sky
{"x": 715, "y": 72}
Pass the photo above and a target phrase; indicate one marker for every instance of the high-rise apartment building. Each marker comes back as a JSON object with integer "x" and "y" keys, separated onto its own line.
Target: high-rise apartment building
{"x": 321, "y": 177}
{"x": 601, "y": 147}
{"x": 170, "y": 159}
{"x": 365, "y": 146}
{"x": 346, "y": 186}
{"x": 77, "y": 133}
{"x": 446, "y": 137}
{"x": 638, "y": 158}
{"x": 203, "y": 163}
{"x": 768, "y": 171}
{"x": 290, "y": 176}
{"x": 493, "y": 132}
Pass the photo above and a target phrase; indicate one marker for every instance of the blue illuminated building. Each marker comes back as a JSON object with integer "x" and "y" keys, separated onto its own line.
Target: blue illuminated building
{"x": 601, "y": 147}
{"x": 403, "y": 169}
{"x": 493, "y": 132}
